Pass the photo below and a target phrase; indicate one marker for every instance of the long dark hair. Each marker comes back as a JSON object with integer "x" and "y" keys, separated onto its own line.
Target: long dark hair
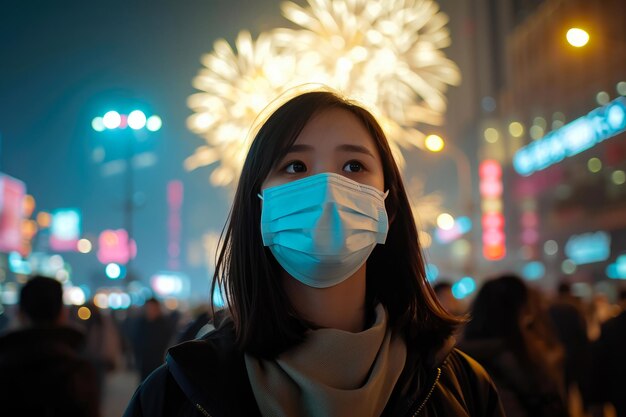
{"x": 265, "y": 322}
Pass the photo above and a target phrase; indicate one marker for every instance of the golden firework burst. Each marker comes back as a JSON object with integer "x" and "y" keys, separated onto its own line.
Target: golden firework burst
{"x": 386, "y": 54}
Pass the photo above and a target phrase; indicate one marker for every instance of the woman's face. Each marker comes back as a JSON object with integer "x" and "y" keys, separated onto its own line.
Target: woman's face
{"x": 332, "y": 141}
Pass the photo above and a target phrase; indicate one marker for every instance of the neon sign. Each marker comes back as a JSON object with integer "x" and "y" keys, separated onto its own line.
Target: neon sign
{"x": 589, "y": 247}
{"x": 573, "y": 138}
{"x": 494, "y": 239}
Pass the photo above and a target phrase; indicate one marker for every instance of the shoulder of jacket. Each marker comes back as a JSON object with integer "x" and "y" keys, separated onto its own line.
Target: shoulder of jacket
{"x": 475, "y": 383}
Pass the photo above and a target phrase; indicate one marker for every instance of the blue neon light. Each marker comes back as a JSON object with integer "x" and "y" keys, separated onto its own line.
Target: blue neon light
{"x": 617, "y": 270}
{"x": 589, "y": 247}
{"x": 573, "y": 138}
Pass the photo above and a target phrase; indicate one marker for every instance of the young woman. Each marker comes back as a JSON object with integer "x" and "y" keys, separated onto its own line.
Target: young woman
{"x": 330, "y": 313}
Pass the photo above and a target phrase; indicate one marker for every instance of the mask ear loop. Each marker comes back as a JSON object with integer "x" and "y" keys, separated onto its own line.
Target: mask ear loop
{"x": 260, "y": 196}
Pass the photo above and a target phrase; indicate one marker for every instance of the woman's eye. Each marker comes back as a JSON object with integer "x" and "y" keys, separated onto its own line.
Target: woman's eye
{"x": 295, "y": 167}
{"x": 353, "y": 166}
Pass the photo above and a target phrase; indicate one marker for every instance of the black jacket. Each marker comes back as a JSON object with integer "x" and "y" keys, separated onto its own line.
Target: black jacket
{"x": 44, "y": 374}
{"x": 208, "y": 377}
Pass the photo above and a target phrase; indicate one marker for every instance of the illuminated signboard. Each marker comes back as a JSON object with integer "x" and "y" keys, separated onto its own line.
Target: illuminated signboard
{"x": 113, "y": 247}
{"x": 494, "y": 239}
{"x": 588, "y": 248}
{"x": 573, "y": 138}
{"x": 12, "y": 194}
{"x": 65, "y": 230}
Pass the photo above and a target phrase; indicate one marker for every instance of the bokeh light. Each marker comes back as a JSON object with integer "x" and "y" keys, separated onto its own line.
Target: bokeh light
{"x": 97, "y": 124}
{"x": 113, "y": 271}
{"x": 112, "y": 119}
{"x": 594, "y": 165}
{"x": 491, "y": 135}
{"x": 136, "y": 120}
{"x": 154, "y": 123}
{"x": 44, "y": 219}
{"x": 603, "y": 98}
{"x": 84, "y": 313}
{"x": 551, "y": 247}
{"x": 577, "y": 37}
{"x": 463, "y": 287}
{"x": 516, "y": 129}
{"x": 445, "y": 221}
{"x": 84, "y": 246}
{"x": 434, "y": 143}
{"x": 533, "y": 270}
{"x": 618, "y": 177}
{"x": 621, "y": 88}
{"x": 568, "y": 266}
{"x": 536, "y": 132}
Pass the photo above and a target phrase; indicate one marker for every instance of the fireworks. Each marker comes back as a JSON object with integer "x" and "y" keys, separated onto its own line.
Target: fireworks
{"x": 385, "y": 54}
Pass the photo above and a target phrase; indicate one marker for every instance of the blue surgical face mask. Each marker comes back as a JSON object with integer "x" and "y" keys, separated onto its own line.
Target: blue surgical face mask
{"x": 321, "y": 229}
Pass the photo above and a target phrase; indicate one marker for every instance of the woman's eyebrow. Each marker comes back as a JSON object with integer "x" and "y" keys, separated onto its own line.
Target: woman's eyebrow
{"x": 354, "y": 148}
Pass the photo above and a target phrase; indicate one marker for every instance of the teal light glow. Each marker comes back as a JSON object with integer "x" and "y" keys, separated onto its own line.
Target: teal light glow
{"x": 463, "y": 287}
{"x": 588, "y": 248}
{"x": 573, "y": 138}
{"x": 533, "y": 271}
{"x": 154, "y": 123}
{"x": 617, "y": 270}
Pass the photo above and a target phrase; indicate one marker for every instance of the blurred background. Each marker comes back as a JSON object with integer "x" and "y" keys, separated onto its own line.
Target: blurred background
{"x": 123, "y": 126}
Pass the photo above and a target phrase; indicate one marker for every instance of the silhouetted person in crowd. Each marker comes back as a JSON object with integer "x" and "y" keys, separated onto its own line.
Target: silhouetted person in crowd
{"x": 41, "y": 366}
{"x": 152, "y": 336}
{"x": 609, "y": 364}
{"x": 567, "y": 314}
{"x": 509, "y": 336}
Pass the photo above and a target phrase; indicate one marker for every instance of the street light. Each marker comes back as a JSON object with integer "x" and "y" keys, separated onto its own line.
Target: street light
{"x": 135, "y": 120}
{"x": 577, "y": 37}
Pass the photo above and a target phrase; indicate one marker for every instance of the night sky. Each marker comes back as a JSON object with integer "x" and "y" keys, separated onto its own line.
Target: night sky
{"x": 64, "y": 62}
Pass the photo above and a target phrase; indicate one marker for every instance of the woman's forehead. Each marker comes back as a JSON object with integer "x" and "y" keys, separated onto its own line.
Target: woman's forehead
{"x": 334, "y": 125}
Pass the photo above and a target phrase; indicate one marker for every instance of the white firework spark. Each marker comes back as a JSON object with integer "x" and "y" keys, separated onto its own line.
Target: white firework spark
{"x": 386, "y": 54}
{"x": 236, "y": 87}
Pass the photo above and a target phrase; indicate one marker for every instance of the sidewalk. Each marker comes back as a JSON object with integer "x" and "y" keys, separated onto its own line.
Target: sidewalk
{"x": 119, "y": 389}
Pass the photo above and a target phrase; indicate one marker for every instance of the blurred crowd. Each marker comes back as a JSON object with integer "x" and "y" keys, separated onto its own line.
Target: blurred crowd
{"x": 550, "y": 354}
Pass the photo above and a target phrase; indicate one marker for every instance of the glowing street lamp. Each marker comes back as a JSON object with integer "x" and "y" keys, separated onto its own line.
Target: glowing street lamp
{"x": 577, "y": 37}
{"x": 135, "y": 120}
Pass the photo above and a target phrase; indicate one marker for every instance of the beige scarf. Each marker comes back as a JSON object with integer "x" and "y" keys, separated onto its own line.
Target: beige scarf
{"x": 333, "y": 373}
